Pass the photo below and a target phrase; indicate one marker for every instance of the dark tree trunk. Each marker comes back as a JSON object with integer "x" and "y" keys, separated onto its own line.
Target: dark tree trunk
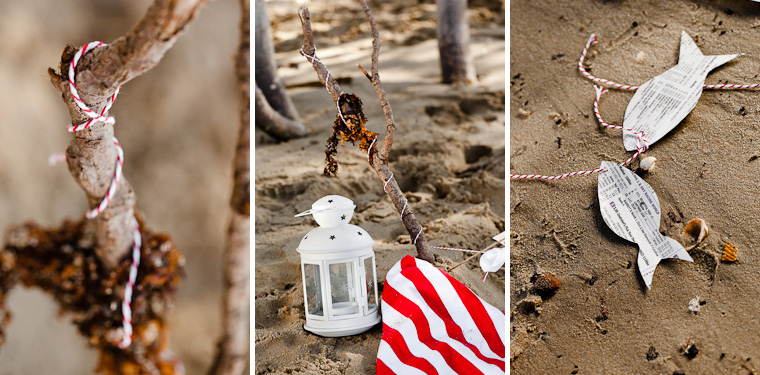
{"x": 266, "y": 70}
{"x": 272, "y": 122}
{"x": 454, "y": 42}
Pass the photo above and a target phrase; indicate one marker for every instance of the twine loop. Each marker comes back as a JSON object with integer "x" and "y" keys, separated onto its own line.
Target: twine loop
{"x": 126, "y": 305}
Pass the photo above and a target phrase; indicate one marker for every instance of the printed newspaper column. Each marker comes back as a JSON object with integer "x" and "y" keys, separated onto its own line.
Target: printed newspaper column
{"x": 662, "y": 102}
{"x": 631, "y": 209}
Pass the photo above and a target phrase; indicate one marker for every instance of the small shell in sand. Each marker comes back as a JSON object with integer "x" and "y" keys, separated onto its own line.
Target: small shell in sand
{"x": 697, "y": 229}
{"x": 694, "y": 305}
{"x": 545, "y": 284}
{"x": 648, "y": 163}
{"x": 729, "y": 252}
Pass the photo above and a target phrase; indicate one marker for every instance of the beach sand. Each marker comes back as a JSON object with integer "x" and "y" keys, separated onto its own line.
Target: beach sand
{"x": 707, "y": 168}
{"x": 448, "y": 157}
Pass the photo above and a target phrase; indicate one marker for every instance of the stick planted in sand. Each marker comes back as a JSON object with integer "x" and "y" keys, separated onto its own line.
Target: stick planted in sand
{"x": 234, "y": 346}
{"x": 377, "y": 159}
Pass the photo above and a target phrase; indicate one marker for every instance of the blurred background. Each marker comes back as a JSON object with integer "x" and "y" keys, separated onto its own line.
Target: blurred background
{"x": 178, "y": 127}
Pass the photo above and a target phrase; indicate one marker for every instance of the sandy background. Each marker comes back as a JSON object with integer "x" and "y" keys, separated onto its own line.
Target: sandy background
{"x": 448, "y": 157}
{"x": 706, "y": 168}
{"x": 178, "y": 142}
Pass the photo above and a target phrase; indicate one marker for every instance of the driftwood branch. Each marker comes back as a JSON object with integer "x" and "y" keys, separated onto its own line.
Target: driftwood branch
{"x": 274, "y": 123}
{"x": 83, "y": 264}
{"x": 91, "y": 155}
{"x": 234, "y": 347}
{"x": 266, "y": 66}
{"x": 275, "y": 112}
{"x": 378, "y": 160}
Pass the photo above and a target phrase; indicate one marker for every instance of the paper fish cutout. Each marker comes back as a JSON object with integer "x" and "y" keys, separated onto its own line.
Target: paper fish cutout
{"x": 631, "y": 209}
{"x": 664, "y": 101}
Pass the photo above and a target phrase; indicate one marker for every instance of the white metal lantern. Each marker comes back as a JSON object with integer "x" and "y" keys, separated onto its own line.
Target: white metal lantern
{"x": 338, "y": 271}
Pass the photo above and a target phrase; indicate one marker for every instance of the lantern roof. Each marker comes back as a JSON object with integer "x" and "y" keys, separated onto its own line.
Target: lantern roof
{"x": 331, "y": 211}
{"x": 341, "y": 238}
{"x": 335, "y": 234}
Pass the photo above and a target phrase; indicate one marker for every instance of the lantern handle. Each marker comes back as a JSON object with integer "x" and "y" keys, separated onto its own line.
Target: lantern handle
{"x": 308, "y": 212}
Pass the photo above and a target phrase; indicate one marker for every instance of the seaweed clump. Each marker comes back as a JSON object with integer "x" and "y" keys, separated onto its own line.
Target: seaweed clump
{"x": 62, "y": 262}
{"x": 351, "y": 130}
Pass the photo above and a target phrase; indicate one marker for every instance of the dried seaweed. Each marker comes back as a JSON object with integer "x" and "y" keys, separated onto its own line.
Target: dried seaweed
{"x": 351, "y": 130}
{"x": 62, "y": 262}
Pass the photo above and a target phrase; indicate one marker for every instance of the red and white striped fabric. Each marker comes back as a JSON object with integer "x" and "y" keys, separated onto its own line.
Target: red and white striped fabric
{"x": 433, "y": 324}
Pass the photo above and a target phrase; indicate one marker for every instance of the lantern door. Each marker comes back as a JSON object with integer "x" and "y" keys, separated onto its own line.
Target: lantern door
{"x": 343, "y": 287}
{"x": 368, "y": 280}
{"x": 313, "y": 290}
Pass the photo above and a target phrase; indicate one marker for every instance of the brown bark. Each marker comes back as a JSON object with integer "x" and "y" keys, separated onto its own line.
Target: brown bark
{"x": 454, "y": 42}
{"x": 266, "y": 67}
{"x": 92, "y": 155}
{"x": 378, "y": 160}
{"x": 233, "y": 352}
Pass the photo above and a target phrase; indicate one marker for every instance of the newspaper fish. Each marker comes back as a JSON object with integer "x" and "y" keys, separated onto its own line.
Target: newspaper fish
{"x": 664, "y": 101}
{"x": 631, "y": 209}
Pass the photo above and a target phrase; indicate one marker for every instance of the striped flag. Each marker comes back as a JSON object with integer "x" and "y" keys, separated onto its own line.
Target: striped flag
{"x": 433, "y": 324}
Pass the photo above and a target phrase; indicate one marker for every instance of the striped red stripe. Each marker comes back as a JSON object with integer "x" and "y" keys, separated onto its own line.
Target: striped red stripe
{"x": 396, "y": 341}
{"x": 477, "y": 309}
{"x": 409, "y": 309}
{"x": 433, "y": 324}
{"x": 433, "y": 299}
{"x": 382, "y": 369}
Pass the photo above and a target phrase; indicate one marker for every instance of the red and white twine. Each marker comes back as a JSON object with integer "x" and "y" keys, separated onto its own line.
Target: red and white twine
{"x": 369, "y": 149}
{"x": 126, "y": 305}
{"x": 93, "y": 213}
{"x": 54, "y": 159}
{"x": 94, "y": 116}
{"x": 416, "y": 237}
{"x": 641, "y": 146}
{"x": 455, "y": 249}
{"x": 593, "y": 39}
{"x": 314, "y": 58}
{"x": 641, "y": 142}
{"x": 588, "y": 75}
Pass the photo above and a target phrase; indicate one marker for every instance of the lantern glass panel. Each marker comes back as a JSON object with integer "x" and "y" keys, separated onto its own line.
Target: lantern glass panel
{"x": 313, "y": 281}
{"x": 343, "y": 289}
{"x": 369, "y": 269}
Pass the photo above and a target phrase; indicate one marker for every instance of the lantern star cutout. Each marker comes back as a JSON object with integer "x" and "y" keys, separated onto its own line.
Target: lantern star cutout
{"x": 661, "y": 103}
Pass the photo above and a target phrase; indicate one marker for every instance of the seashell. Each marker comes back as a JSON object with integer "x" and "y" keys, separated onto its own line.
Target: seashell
{"x": 694, "y": 305}
{"x": 641, "y": 56}
{"x": 729, "y": 252}
{"x": 697, "y": 229}
{"x": 648, "y": 163}
{"x": 689, "y": 349}
{"x": 545, "y": 284}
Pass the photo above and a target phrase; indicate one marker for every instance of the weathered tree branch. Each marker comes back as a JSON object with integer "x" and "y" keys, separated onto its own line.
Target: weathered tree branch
{"x": 274, "y": 123}
{"x": 378, "y": 160}
{"x": 266, "y": 67}
{"x": 234, "y": 346}
{"x": 91, "y": 155}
